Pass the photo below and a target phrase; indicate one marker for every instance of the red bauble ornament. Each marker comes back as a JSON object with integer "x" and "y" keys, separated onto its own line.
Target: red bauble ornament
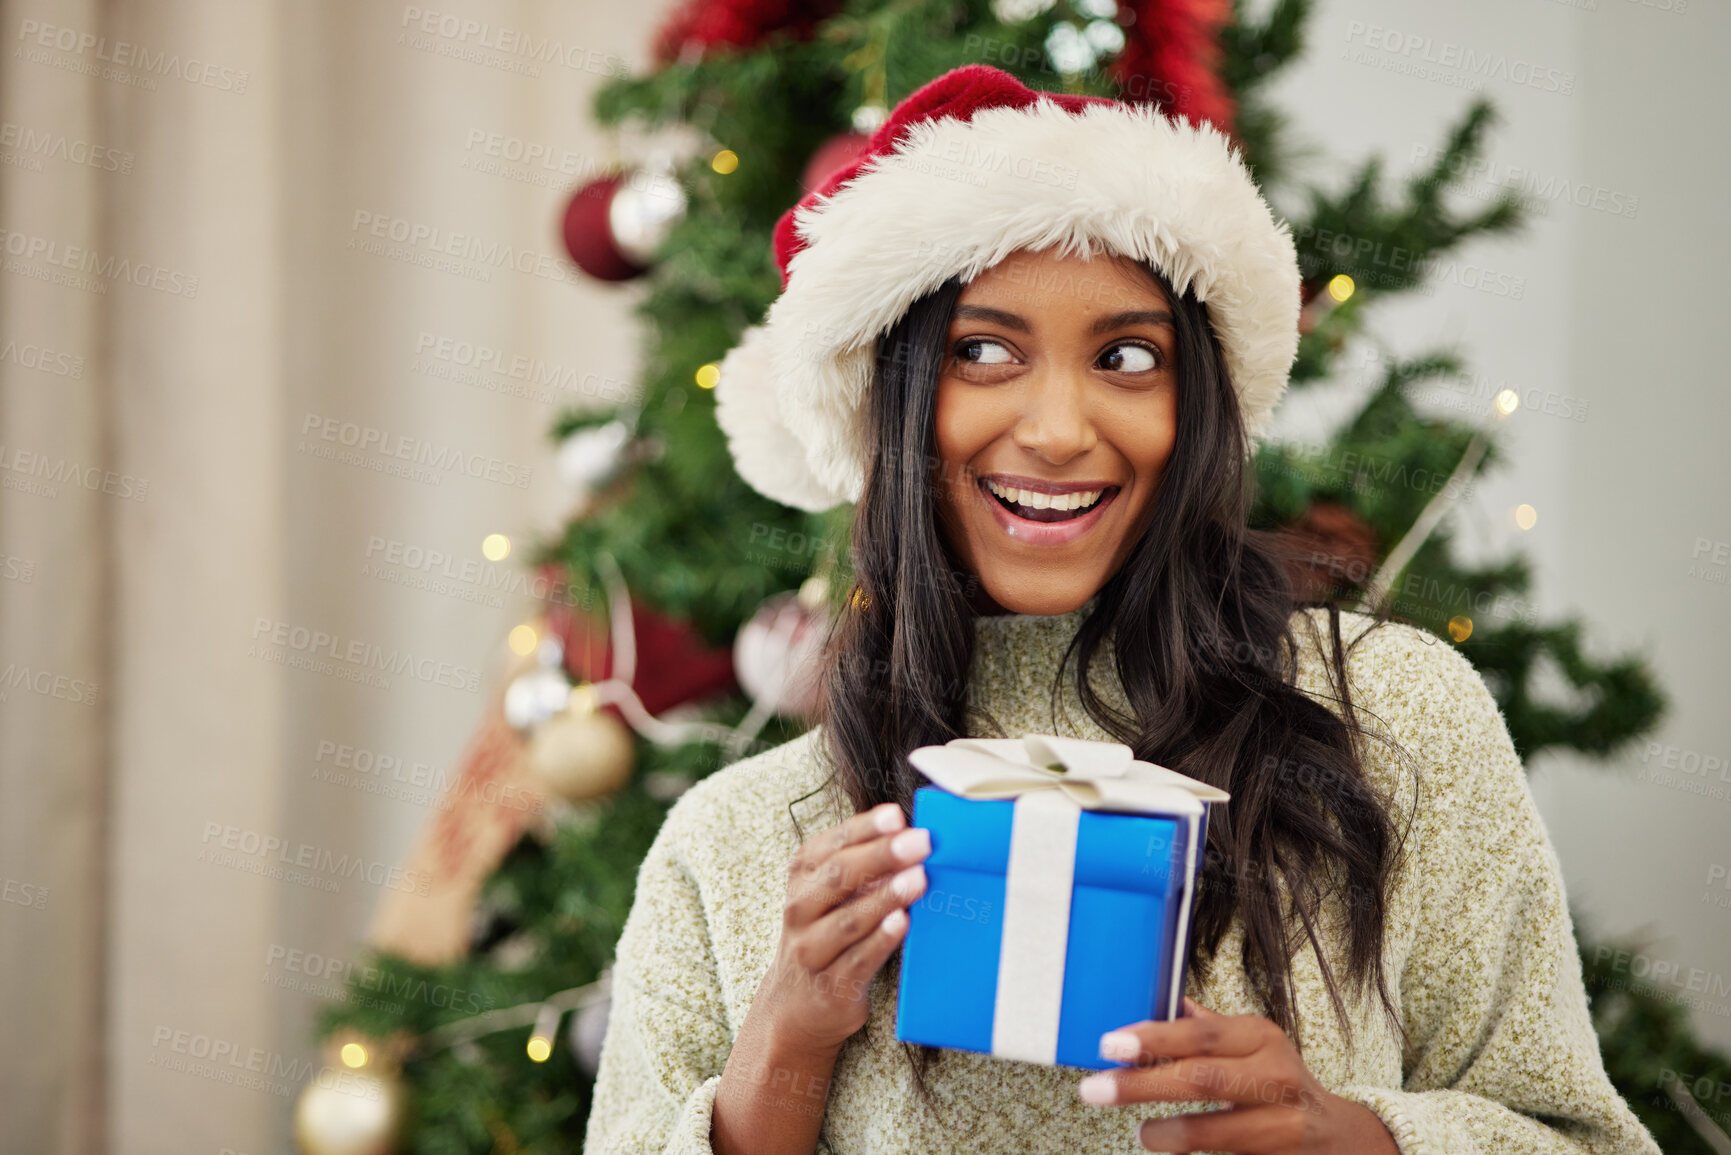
{"x": 615, "y": 226}
{"x": 832, "y": 156}
{"x": 673, "y": 664}
{"x": 589, "y": 235}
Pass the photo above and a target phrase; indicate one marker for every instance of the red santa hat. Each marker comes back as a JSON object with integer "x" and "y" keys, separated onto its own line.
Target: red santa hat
{"x": 967, "y": 170}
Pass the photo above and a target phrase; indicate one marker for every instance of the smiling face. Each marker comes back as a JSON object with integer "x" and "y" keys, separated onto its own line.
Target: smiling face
{"x": 1057, "y": 411}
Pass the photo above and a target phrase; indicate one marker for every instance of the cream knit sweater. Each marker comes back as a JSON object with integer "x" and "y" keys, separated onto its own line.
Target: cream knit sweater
{"x": 1480, "y": 951}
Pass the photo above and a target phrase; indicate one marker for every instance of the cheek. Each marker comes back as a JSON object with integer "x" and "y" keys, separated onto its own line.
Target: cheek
{"x": 1143, "y": 432}
{"x": 963, "y": 428}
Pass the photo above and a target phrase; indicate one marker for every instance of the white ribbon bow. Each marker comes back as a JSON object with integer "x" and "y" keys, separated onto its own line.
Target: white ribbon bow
{"x": 1052, "y": 780}
{"x": 1093, "y": 775}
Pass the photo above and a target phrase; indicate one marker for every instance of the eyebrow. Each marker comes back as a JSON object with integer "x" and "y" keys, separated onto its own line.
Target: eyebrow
{"x": 1103, "y": 325}
{"x": 996, "y": 316}
{"x": 1133, "y": 317}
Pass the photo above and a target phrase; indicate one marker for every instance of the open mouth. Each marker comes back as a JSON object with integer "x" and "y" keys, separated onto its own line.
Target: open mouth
{"x": 1032, "y": 506}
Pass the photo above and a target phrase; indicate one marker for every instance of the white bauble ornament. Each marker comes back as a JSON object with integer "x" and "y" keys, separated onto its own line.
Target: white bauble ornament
{"x": 344, "y": 1112}
{"x": 593, "y": 457}
{"x": 534, "y": 697}
{"x": 581, "y": 754}
{"x": 778, "y": 654}
{"x": 644, "y": 209}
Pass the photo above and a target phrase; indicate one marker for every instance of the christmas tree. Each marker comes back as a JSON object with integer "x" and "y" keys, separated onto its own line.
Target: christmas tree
{"x": 711, "y": 589}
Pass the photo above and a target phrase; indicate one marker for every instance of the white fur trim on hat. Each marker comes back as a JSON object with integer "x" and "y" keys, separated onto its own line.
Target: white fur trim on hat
{"x": 765, "y": 451}
{"x": 955, "y": 198}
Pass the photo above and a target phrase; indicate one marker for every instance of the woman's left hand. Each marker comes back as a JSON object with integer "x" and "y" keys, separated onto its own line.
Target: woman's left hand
{"x": 1278, "y": 1106}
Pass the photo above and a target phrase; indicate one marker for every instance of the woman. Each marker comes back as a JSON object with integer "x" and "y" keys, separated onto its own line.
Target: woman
{"x": 1033, "y": 339}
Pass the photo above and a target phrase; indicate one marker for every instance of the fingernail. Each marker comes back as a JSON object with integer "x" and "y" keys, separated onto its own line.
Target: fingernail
{"x": 908, "y": 881}
{"x": 887, "y": 817}
{"x": 911, "y": 844}
{"x": 893, "y": 921}
{"x": 1098, "y": 1089}
{"x": 1119, "y": 1045}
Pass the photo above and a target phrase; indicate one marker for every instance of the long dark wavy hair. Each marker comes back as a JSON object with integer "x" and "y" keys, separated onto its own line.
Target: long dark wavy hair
{"x": 1199, "y": 616}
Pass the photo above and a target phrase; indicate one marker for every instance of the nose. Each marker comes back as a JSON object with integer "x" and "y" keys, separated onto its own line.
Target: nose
{"x": 1054, "y": 422}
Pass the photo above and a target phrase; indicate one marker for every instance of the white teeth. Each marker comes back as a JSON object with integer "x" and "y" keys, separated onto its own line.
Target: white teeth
{"x": 1062, "y": 501}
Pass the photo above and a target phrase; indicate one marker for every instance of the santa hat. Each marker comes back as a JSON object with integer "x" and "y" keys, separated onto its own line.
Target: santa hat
{"x": 966, "y": 171}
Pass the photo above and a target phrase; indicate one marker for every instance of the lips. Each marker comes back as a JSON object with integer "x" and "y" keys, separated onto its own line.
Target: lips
{"x": 1046, "y": 526}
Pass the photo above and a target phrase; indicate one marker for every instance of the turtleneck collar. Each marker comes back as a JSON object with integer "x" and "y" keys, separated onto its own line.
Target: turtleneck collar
{"x": 990, "y": 623}
{"x": 1015, "y": 663}
{"x": 1010, "y": 677}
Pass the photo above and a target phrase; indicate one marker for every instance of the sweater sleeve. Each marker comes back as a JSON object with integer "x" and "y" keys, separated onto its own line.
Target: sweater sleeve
{"x": 667, "y": 1040}
{"x": 1505, "y": 1058}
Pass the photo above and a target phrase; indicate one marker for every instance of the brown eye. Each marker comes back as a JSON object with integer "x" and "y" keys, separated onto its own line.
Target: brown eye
{"x": 976, "y": 351}
{"x": 1128, "y": 357}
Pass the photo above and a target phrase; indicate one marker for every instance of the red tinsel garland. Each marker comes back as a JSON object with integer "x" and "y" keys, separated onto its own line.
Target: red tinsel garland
{"x": 700, "y": 24}
{"x": 1171, "y": 58}
{"x": 1171, "y": 54}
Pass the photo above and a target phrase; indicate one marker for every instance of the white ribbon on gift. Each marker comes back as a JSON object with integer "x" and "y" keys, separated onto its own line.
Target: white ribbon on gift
{"x": 1052, "y": 780}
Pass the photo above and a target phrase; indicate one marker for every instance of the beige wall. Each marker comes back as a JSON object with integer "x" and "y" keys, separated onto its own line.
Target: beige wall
{"x": 56, "y": 617}
{"x": 206, "y": 396}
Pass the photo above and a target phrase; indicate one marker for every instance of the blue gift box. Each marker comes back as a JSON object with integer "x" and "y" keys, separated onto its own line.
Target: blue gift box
{"x": 1128, "y": 925}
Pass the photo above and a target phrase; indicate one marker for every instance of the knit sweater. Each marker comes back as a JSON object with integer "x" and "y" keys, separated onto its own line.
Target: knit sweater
{"x": 1479, "y": 950}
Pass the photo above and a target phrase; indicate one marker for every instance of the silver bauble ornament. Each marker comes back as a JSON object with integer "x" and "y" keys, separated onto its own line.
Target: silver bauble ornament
{"x": 593, "y": 457}
{"x": 534, "y": 697}
{"x": 644, "y": 209}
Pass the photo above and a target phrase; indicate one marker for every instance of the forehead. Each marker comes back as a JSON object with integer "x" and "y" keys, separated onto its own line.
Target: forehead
{"x": 1043, "y": 278}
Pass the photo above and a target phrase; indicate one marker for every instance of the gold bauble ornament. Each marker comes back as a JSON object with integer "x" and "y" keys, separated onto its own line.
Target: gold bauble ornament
{"x": 344, "y": 1112}
{"x": 581, "y": 752}
{"x": 355, "y": 1104}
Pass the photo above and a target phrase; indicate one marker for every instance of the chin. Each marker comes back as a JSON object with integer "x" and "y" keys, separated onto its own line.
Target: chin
{"x": 1042, "y": 596}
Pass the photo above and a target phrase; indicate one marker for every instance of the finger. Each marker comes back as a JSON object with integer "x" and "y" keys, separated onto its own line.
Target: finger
{"x": 852, "y": 971}
{"x": 869, "y": 864}
{"x": 1194, "y": 1009}
{"x": 1246, "y": 1130}
{"x": 1200, "y": 1036}
{"x": 1252, "y": 1081}
{"x": 859, "y": 868}
{"x": 858, "y": 917}
{"x": 865, "y": 826}
{"x": 886, "y": 818}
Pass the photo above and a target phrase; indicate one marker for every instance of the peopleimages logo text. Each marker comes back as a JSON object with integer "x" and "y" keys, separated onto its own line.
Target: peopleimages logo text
{"x": 31, "y": 247}
{"x": 367, "y": 439}
{"x": 1484, "y": 65}
{"x": 252, "y": 844}
{"x": 124, "y": 54}
{"x": 365, "y": 655}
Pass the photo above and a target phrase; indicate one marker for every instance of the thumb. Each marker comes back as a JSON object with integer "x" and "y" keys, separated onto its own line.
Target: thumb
{"x": 1195, "y": 1010}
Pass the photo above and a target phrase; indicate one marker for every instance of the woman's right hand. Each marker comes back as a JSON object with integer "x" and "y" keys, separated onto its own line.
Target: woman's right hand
{"x": 848, "y": 890}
